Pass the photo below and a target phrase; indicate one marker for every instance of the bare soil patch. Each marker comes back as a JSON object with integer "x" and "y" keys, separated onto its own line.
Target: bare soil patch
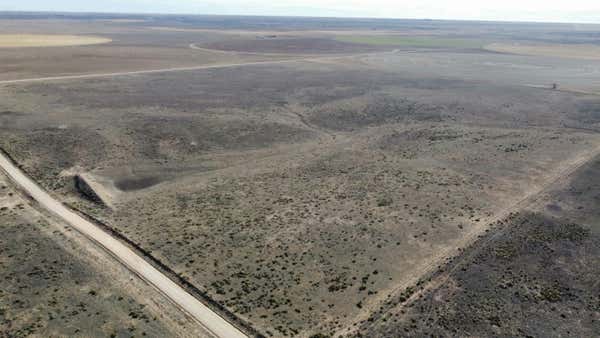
{"x": 578, "y": 51}
{"x": 40, "y": 40}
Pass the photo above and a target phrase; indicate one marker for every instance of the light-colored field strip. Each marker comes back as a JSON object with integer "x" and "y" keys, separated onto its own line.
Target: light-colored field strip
{"x": 180, "y": 69}
{"x": 41, "y": 40}
{"x": 211, "y": 321}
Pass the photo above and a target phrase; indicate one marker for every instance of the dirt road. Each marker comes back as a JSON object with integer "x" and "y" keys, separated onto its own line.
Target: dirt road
{"x": 180, "y": 69}
{"x": 430, "y": 265}
{"x": 150, "y": 71}
{"x": 210, "y": 320}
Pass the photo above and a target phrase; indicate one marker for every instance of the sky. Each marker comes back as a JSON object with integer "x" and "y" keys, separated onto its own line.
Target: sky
{"x": 502, "y": 10}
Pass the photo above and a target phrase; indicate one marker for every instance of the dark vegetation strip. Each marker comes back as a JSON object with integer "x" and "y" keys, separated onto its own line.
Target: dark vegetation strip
{"x": 443, "y": 270}
{"x": 241, "y": 324}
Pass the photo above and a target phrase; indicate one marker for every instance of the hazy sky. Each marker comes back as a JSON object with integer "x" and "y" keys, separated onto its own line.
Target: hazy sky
{"x": 519, "y": 10}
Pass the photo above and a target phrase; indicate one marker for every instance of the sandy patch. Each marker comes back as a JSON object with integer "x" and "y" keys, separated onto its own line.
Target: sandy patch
{"x": 39, "y": 40}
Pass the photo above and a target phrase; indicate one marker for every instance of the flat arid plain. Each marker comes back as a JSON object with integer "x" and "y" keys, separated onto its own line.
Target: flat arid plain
{"x": 298, "y": 177}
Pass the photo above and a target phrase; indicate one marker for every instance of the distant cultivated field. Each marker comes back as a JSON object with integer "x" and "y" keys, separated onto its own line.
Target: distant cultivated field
{"x": 40, "y": 40}
{"x": 411, "y": 41}
{"x": 580, "y": 51}
{"x": 291, "y": 45}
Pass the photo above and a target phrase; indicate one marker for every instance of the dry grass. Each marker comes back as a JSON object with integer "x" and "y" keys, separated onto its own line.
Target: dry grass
{"x": 40, "y": 40}
{"x": 579, "y": 51}
{"x": 410, "y": 41}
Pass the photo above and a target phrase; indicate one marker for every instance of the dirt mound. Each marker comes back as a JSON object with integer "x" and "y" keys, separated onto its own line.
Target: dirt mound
{"x": 86, "y": 191}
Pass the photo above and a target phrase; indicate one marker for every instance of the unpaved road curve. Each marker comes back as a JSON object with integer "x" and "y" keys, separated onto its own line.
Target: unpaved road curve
{"x": 233, "y": 52}
{"x": 210, "y": 320}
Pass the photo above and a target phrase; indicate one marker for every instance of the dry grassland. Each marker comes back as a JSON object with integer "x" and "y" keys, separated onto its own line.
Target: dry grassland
{"x": 579, "y": 51}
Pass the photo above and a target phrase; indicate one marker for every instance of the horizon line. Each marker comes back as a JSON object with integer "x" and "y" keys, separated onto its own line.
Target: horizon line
{"x": 297, "y": 16}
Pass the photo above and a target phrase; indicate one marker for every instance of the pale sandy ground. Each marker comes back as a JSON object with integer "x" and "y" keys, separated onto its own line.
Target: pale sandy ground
{"x": 40, "y": 40}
